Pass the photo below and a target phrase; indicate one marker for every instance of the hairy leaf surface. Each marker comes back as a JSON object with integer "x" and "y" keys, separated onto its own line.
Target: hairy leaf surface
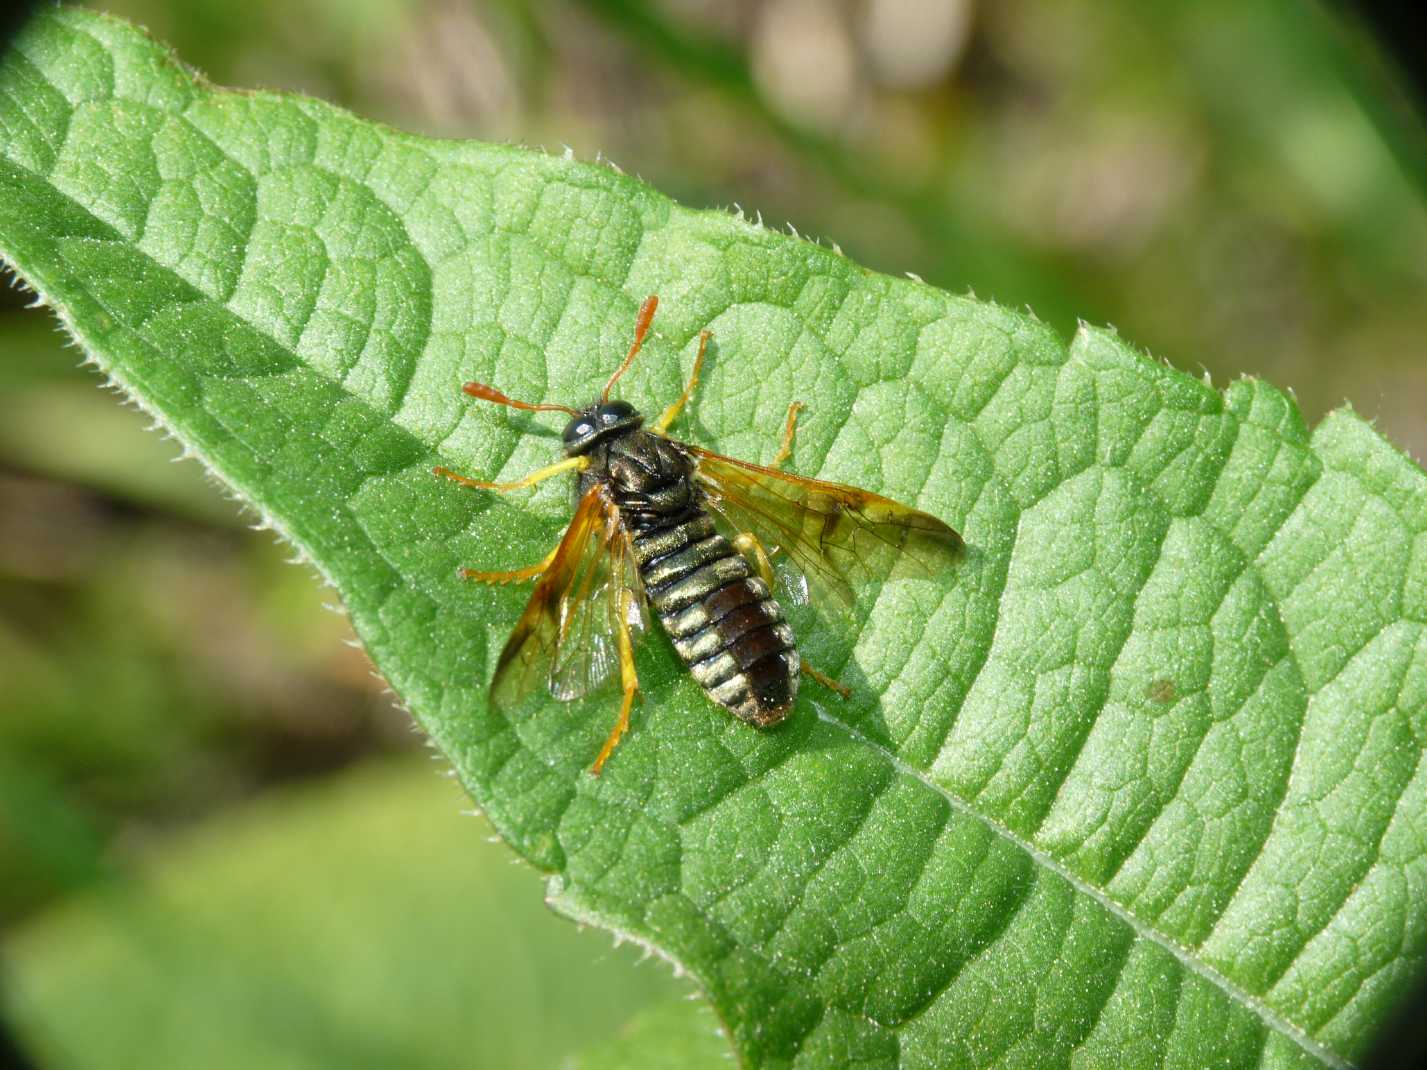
{"x": 1137, "y": 784}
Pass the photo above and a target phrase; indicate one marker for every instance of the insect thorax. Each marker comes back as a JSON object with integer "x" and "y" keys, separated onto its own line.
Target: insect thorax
{"x": 649, "y": 477}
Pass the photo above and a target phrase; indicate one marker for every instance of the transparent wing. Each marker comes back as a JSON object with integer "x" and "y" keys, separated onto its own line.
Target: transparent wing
{"x": 566, "y": 639}
{"x": 838, "y": 537}
{"x": 587, "y": 653}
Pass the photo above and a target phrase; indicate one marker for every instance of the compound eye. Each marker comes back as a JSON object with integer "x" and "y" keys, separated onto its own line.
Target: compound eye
{"x": 614, "y": 411}
{"x": 578, "y": 429}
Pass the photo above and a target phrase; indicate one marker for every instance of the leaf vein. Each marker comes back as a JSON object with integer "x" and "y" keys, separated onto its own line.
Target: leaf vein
{"x": 1267, "y": 1015}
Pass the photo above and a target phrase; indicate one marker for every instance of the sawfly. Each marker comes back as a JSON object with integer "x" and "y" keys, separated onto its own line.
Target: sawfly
{"x": 664, "y": 525}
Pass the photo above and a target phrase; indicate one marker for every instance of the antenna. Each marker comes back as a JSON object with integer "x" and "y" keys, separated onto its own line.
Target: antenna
{"x": 641, "y": 328}
{"x": 490, "y": 393}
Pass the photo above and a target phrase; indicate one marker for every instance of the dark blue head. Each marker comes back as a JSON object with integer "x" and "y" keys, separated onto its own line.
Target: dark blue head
{"x": 600, "y": 421}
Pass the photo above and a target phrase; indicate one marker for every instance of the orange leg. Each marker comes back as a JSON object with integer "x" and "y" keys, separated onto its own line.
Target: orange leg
{"x": 576, "y": 463}
{"x": 786, "y": 449}
{"x": 629, "y": 680}
{"x": 515, "y": 575}
{"x": 827, "y": 681}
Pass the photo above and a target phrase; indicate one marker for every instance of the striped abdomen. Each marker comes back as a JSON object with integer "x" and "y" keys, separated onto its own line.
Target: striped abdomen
{"x": 722, "y": 619}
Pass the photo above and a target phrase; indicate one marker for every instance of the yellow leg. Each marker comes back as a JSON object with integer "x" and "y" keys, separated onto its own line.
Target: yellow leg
{"x": 515, "y": 575}
{"x": 827, "y": 681}
{"x": 576, "y": 463}
{"x": 786, "y": 449}
{"x": 668, "y": 416}
{"x": 749, "y": 546}
{"x": 629, "y": 680}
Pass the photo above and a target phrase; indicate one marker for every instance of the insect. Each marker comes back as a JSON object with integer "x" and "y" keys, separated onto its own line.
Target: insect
{"x": 693, "y": 535}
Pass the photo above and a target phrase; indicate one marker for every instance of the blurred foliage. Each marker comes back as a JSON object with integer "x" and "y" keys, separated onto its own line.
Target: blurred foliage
{"x": 1230, "y": 184}
{"x": 683, "y": 1035}
{"x": 1223, "y": 182}
{"x": 160, "y": 660}
{"x": 316, "y": 929}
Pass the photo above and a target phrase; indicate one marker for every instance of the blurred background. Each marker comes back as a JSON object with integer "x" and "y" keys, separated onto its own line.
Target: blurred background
{"x": 199, "y": 778}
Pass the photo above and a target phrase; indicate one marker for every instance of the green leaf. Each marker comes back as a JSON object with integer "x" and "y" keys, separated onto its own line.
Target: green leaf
{"x": 666, "y": 1036}
{"x": 306, "y": 931}
{"x": 1138, "y": 783}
